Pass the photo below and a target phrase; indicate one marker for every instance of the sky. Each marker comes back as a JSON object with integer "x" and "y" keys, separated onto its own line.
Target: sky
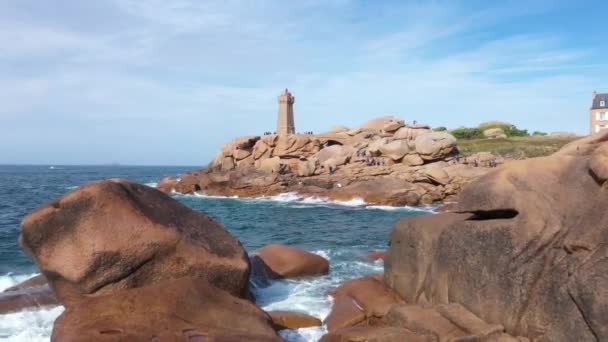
{"x": 156, "y": 82}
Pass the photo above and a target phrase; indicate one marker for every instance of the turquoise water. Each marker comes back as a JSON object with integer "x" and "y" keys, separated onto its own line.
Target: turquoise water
{"x": 343, "y": 232}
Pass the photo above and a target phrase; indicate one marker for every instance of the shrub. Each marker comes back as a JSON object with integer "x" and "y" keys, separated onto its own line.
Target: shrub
{"x": 516, "y": 132}
{"x": 440, "y": 129}
{"x": 538, "y": 133}
{"x": 468, "y": 133}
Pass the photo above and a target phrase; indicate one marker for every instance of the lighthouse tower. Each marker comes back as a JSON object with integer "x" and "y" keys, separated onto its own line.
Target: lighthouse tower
{"x": 285, "y": 123}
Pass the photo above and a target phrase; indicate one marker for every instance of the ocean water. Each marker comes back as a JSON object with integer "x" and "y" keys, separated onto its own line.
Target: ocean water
{"x": 342, "y": 232}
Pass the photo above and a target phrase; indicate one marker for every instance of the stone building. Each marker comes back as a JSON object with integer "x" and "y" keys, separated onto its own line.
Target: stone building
{"x": 285, "y": 122}
{"x": 598, "y": 112}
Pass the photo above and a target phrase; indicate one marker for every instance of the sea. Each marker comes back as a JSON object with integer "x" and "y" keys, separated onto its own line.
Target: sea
{"x": 342, "y": 232}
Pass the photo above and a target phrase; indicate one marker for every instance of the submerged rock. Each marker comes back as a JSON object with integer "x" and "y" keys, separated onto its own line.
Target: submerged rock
{"x": 112, "y": 235}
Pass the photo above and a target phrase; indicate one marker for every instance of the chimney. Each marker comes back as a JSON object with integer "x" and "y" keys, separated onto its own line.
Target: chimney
{"x": 593, "y": 95}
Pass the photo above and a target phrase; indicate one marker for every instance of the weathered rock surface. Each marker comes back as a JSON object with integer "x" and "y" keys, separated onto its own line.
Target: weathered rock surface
{"x": 435, "y": 145}
{"x": 185, "y": 309}
{"x": 525, "y": 248}
{"x": 378, "y": 162}
{"x": 395, "y": 150}
{"x": 293, "y": 320}
{"x": 280, "y": 261}
{"x": 112, "y": 235}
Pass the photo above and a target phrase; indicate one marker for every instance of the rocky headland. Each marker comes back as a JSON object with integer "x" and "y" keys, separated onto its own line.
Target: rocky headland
{"x": 385, "y": 161}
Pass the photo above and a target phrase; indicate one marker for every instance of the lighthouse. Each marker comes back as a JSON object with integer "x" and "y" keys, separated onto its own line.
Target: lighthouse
{"x": 285, "y": 122}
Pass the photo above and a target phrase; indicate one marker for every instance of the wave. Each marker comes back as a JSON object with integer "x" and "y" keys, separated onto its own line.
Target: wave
{"x": 26, "y": 325}
{"x": 309, "y": 294}
{"x": 306, "y": 201}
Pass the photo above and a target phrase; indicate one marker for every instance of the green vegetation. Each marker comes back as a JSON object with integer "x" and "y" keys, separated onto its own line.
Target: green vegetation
{"x": 440, "y": 129}
{"x": 477, "y": 132}
{"x": 515, "y": 147}
{"x": 537, "y": 133}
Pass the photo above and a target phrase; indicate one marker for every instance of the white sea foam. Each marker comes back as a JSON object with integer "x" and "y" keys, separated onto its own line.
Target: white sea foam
{"x": 11, "y": 279}
{"x": 309, "y": 295}
{"x": 151, "y": 184}
{"x": 26, "y": 325}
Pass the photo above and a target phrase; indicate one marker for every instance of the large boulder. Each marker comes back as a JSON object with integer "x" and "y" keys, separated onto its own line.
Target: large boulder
{"x": 394, "y": 150}
{"x": 526, "y": 247}
{"x": 114, "y": 234}
{"x": 261, "y": 149}
{"x": 306, "y": 168}
{"x": 280, "y": 261}
{"x": 245, "y": 143}
{"x": 185, "y": 309}
{"x": 338, "y": 153}
{"x": 411, "y": 132}
{"x": 494, "y": 133}
{"x": 412, "y": 160}
{"x": 435, "y": 145}
{"x": 383, "y": 123}
{"x": 271, "y": 165}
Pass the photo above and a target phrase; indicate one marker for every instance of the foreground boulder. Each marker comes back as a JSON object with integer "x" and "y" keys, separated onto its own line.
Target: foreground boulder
{"x": 280, "y": 261}
{"x": 186, "y": 309}
{"x": 526, "y": 247}
{"x": 113, "y": 235}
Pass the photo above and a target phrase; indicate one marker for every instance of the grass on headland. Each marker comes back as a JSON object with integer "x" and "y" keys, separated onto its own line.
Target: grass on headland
{"x": 515, "y": 147}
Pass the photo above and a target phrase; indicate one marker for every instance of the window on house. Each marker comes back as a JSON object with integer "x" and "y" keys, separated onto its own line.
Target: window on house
{"x": 601, "y": 116}
{"x": 602, "y": 103}
{"x": 600, "y": 127}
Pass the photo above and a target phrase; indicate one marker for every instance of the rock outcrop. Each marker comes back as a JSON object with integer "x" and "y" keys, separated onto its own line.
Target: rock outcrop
{"x": 113, "y": 235}
{"x": 184, "y": 309}
{"x": 526, "y": 248}
{"x": 365, "y": 309}
{"x": 341, "y": 164}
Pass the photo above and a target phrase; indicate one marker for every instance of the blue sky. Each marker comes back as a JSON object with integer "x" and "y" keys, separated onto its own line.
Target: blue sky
{"x": 166, "y": 82}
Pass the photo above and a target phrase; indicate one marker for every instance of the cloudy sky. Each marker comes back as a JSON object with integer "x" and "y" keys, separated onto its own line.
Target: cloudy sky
{"x": 166, "y": 82}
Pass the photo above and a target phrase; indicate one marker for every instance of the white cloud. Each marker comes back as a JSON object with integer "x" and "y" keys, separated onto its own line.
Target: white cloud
{"x": 212, "y": 69}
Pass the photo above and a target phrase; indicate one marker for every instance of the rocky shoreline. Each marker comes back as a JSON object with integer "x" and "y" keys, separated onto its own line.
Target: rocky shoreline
{"x": 385, "y": 161}
{"x": 522, "y": 256}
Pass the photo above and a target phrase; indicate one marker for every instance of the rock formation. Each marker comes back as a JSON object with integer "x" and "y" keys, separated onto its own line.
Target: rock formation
{"x": 525, "y": 247}
{"x": 384, "y": 161}
{"x": 185, "y": 309}
{"x": 113, "y": 234}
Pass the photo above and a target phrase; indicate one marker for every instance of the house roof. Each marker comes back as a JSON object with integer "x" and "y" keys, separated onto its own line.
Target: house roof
{"x": 598, "y": 99}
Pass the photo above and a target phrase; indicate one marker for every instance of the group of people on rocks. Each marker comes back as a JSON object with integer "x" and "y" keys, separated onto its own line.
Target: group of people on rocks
{"x": 369, "y": 161}
{"x": 461, "y": 160}
{"x": 270, "y": 133}
{"x": 307, "y": 133}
